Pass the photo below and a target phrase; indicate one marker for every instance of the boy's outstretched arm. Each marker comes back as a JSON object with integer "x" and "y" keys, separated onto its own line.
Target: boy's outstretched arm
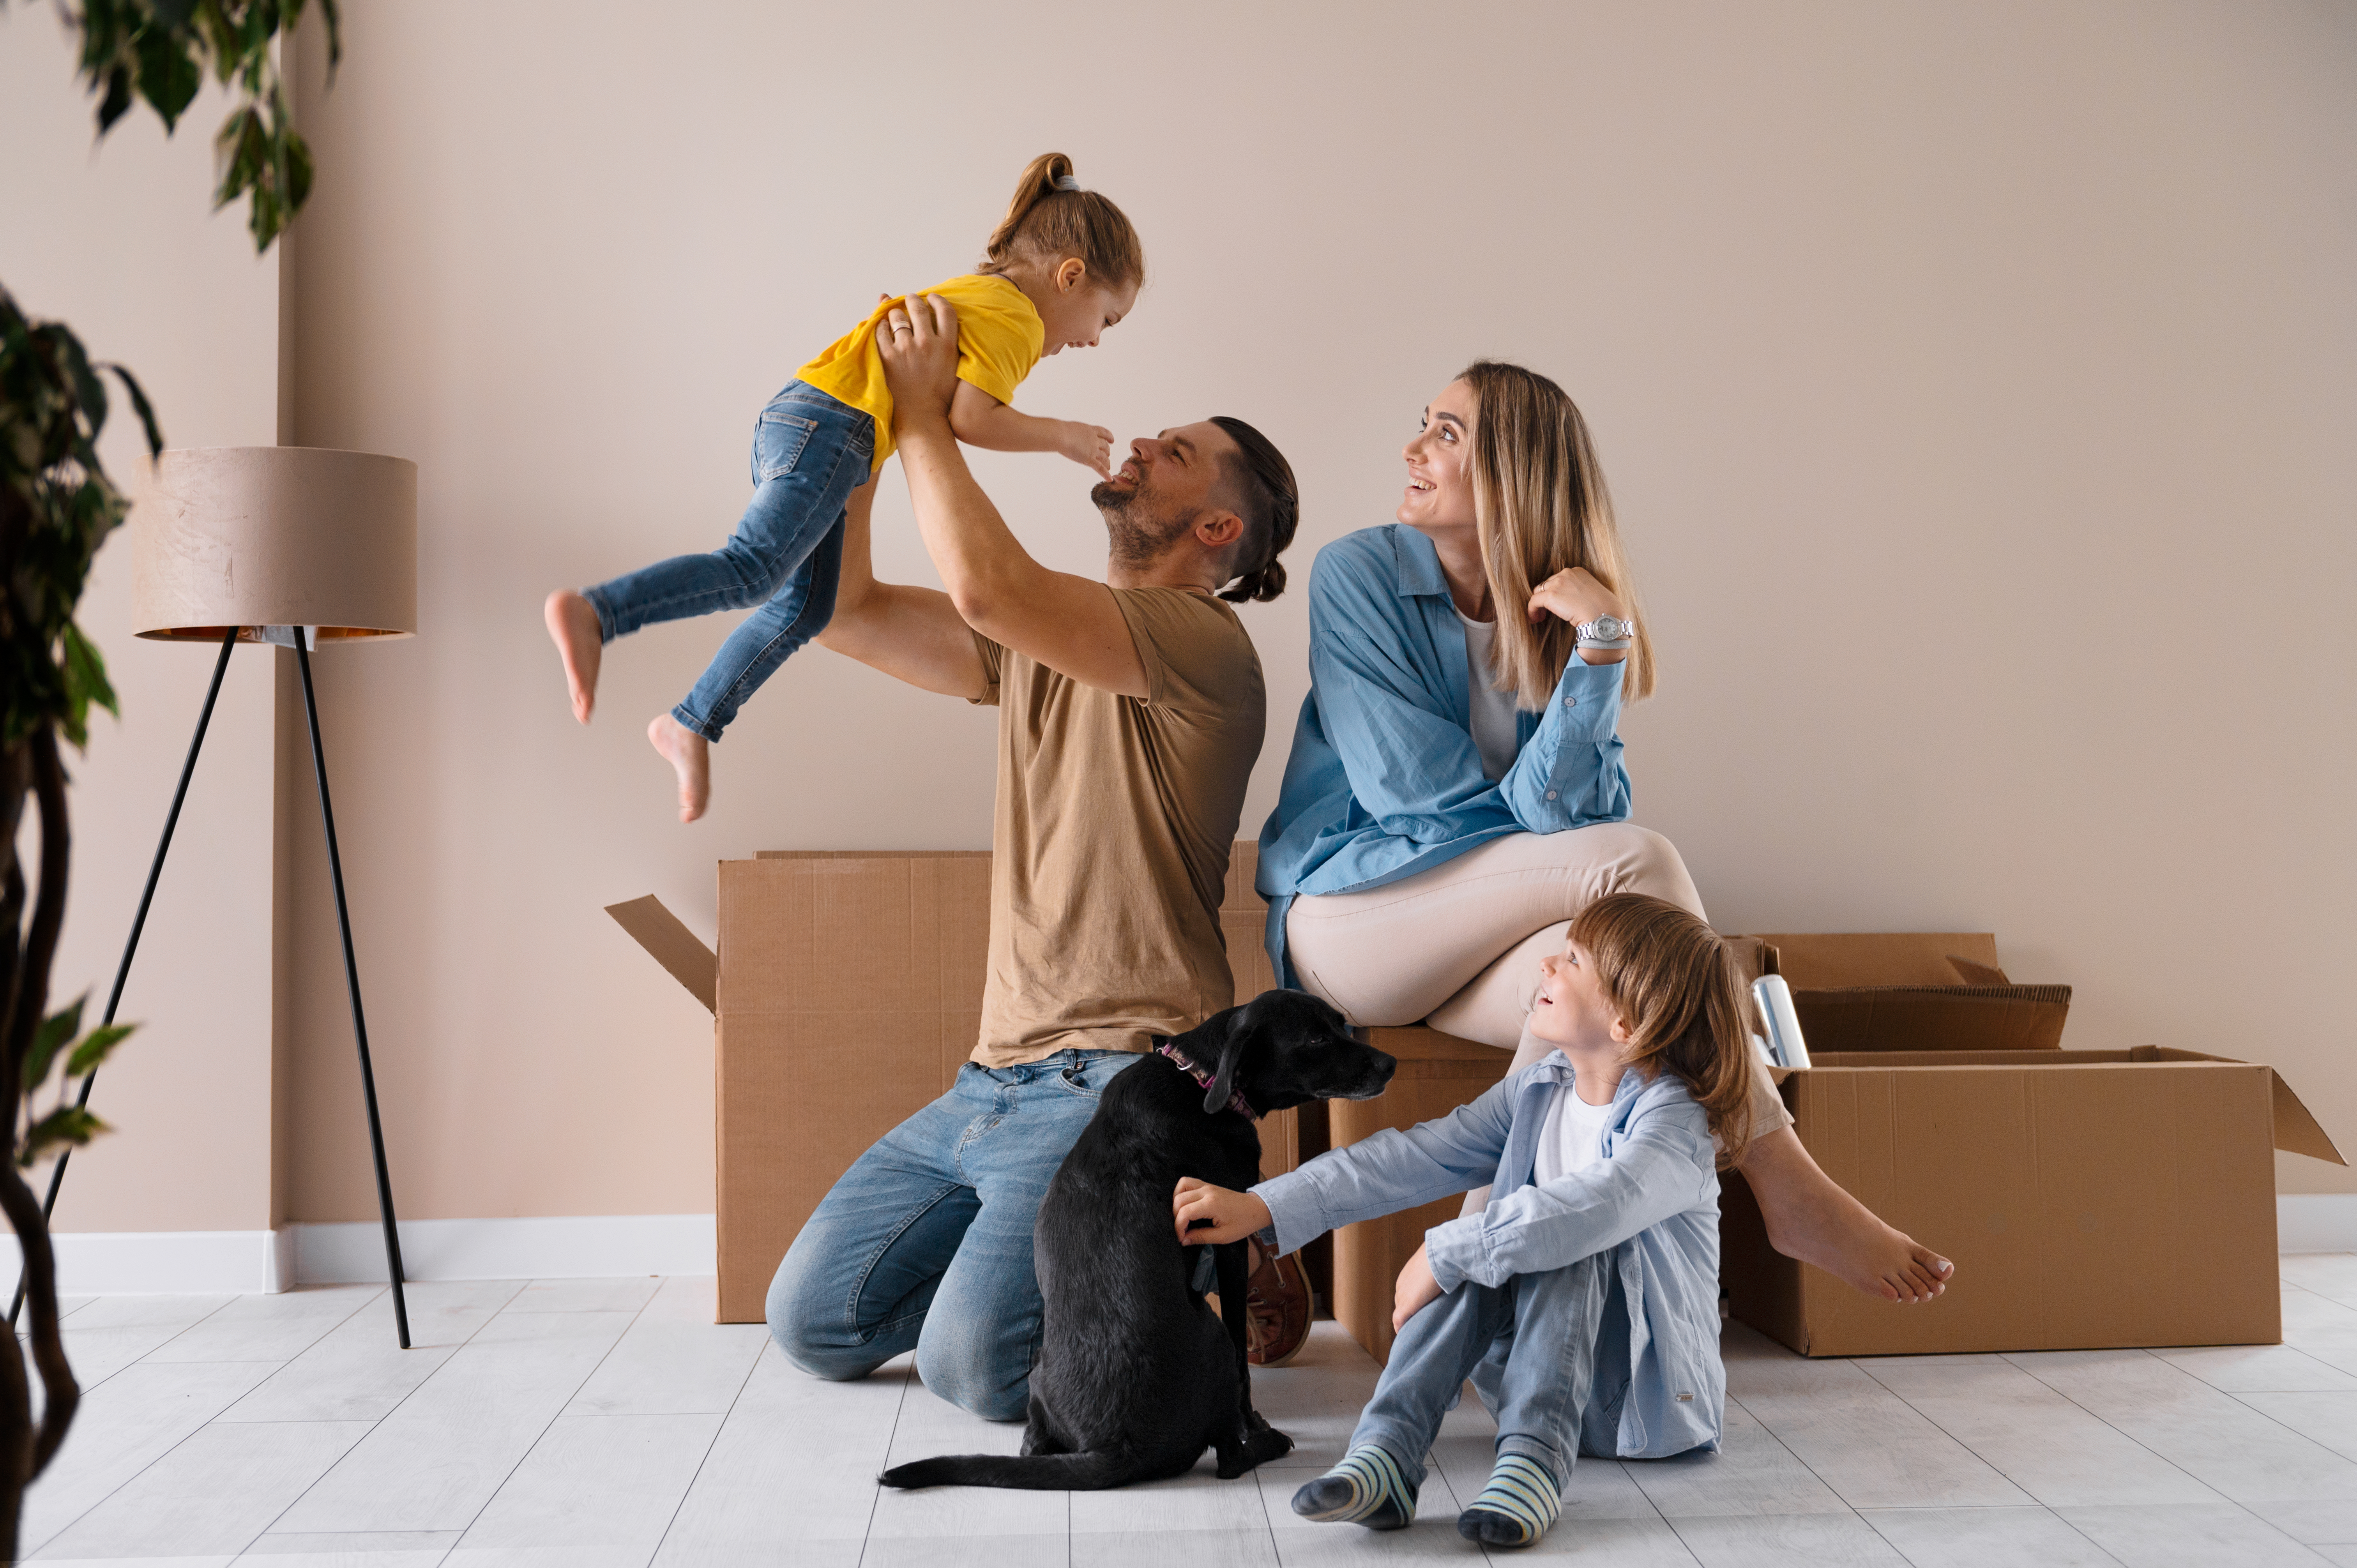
{"x": 980, "y": 420}
{"x": 1215, "y": 1214}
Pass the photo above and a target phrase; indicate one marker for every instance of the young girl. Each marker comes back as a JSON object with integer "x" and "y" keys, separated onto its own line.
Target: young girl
{"x": 1584, "y": 1301}
{"x": 1063, "y": 265}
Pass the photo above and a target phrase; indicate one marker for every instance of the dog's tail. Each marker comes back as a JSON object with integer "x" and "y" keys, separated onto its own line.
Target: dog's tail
{"x": 1033, "y": 1472}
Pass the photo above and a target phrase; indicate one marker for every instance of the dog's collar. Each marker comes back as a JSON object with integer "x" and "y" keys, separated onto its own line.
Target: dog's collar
{"x": 1236, "y": 1102}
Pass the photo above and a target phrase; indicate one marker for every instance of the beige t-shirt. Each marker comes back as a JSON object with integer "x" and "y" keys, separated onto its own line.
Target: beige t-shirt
{"x": 1115, "y": 820}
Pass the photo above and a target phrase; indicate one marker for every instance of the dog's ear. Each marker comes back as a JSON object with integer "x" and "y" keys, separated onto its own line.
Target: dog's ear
{"x": 1231, "y": 1050}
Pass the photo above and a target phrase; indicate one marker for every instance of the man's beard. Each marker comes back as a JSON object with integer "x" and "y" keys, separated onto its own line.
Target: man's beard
{"x": 1138, "y": 530}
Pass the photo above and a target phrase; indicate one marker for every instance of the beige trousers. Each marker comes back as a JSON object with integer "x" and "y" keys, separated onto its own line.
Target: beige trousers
{"x": 1459, "y": 946}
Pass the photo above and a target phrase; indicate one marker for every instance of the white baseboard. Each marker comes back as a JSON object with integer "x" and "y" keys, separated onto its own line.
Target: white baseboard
{"x": 576, "y": 1247}
{"x": 204, "y": 1263}
{"x": 163, "y": 1262}
{"x": 2316, "y": 1222}
{"x": 245, "y": 1263}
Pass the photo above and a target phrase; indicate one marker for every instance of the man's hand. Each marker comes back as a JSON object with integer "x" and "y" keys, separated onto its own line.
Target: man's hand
{"x": 1090, "y": 445}
{"x": 1415, "y": 1290}
{"x": 917, "y": 341}
{"x": 1217, "y": 1213}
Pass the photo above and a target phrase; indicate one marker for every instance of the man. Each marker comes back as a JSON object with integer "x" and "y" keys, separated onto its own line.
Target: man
{"x": 1130, "y": 712}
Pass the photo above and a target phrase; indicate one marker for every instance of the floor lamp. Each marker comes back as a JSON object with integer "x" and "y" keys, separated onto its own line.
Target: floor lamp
{"x": 296, "y": 546}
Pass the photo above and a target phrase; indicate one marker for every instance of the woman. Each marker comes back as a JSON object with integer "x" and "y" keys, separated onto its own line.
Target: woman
{"x": 1455, "y": 792}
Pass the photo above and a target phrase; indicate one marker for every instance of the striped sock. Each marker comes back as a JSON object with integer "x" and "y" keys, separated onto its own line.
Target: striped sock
{"x": 1365, "y": 1488}
{"x": 1515, "y": 1508}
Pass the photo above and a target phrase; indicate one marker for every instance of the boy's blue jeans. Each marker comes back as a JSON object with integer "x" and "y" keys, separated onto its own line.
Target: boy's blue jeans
{"x": 925, "y": 1243}
{"x": 810, "y": 452}
{"x": 1547, "y": 1353}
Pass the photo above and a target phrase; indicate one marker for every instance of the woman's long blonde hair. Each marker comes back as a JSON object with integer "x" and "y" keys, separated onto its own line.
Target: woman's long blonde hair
{"x": 1540, "y": 505}
{"x": 1674, "y": 980}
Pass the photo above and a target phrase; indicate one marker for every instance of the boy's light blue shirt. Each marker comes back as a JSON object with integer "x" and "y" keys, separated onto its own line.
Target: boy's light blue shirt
{"x": 1384, "y": 780}
{"x": 1651, "y": 1202}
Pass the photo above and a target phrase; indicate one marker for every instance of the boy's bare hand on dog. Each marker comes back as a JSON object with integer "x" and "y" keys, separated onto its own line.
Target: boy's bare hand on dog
{"x": 1415, "y": 1290}
{"x": 1214, "y": 1214}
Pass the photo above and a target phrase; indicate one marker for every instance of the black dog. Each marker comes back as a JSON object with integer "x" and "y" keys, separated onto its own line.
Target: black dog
{"x": 1136, "y": 1377}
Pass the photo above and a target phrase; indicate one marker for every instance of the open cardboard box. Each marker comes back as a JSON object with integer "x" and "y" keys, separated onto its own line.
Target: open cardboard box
{"x": 2090, "y": 1200}
{"x": 1920, "y": 990}
{"x": 846, "y": 995}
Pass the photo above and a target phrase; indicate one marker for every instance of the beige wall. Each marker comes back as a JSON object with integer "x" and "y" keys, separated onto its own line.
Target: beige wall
{"x": 120, "y": 244}
{"x": 1950, "y": 363}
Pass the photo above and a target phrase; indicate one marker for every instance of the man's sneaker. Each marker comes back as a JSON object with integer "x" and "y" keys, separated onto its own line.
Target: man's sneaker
{"x": 1276, "y": 1307}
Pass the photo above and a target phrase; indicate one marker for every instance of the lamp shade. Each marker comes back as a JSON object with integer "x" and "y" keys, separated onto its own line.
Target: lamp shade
{"x": 275, "y": 536}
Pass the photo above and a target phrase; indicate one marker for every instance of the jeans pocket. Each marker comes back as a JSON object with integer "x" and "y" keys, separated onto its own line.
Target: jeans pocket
{"x": 778, "y": 441}
{"x": 1075, "y": 1080}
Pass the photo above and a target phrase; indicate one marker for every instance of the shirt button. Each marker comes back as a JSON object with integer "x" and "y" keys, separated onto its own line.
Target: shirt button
{"x": 1571, "y": 702}
{"x": 1551, "y": 794}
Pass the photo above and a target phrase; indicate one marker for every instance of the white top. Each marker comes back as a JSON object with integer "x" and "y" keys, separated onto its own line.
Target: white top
{"x": 1493, "y": 711}
{"x": 1571, "y": 1138}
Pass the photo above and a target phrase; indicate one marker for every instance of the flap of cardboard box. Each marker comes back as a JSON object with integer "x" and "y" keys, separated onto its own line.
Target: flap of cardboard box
{"x": 1925, "y": 991}
{"x": 2297, "y": 1130}
{"x": 1827, "y": 960}
{"x": 675, "y": 946}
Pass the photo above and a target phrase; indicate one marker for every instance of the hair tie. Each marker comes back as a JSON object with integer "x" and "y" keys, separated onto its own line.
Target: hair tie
{"x": 1066, "y": 182}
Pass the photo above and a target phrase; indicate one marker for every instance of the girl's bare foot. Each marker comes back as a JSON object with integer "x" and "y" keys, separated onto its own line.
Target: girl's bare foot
{"x": 691, "y": 755}
{"x": 573, "y": 627}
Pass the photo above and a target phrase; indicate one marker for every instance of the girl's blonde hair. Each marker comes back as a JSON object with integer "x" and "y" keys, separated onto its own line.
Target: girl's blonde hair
{"x": 1052, "y": 218}
{"x": 1539, "y": 506}
{"x": 1675, "y": 983}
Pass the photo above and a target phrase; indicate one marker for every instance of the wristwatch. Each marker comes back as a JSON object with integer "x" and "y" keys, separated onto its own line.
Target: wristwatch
{"x": 1605, "y": 631}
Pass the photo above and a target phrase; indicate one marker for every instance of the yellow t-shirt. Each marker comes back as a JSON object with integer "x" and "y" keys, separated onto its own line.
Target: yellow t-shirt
{"x": 1000, "y": 336}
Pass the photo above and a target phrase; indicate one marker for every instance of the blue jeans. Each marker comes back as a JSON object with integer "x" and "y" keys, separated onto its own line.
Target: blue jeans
{"x": 810, "y": 452}
{"x": 925, "y": 1243}
{"x": 1547, "y": 1353}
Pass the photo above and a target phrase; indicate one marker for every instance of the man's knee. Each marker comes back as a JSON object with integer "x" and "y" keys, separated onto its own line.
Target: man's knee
{"x": 975, "y": 1376}
{"x": 815, "y": 1340}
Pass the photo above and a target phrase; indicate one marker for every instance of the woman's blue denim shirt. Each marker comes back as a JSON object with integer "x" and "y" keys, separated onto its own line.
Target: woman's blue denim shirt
{"x": 1384, "y": 780}
{"x": 1651, "y": 1202}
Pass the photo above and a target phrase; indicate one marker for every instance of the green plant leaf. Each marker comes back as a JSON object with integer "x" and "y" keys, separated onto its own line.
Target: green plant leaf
{"x": 140, "y": 406}
{"x": 95, "y": 1048}
{"x": 66, "y": 1124}
{"x": 169, "y": 74}
{"x": 86, "y": 682}
{"x": 49, "y": 1039}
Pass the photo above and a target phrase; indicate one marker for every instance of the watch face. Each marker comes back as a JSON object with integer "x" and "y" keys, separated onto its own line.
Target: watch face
{"x": 1609, "y": 628}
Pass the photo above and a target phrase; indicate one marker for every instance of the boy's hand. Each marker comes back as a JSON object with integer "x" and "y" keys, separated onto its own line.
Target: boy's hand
{"x": 917, "y": 341}
{"x": 1218, "y": 1214}
{"x": 1090, "y": 445}
{"x": 1415, "y": 1290}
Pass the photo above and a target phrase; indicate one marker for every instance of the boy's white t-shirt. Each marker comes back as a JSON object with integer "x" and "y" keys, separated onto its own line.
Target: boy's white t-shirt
{"x": 1492, "y": 710}
{"x": 1572, "y": 1137}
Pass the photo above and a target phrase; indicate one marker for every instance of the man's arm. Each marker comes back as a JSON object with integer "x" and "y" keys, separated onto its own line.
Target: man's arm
{"x": 911, "y": 634}
{"x": 1070, "y": 623}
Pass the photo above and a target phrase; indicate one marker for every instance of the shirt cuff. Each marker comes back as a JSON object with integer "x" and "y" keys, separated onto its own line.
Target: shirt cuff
{"x": 1453, "y": 1252}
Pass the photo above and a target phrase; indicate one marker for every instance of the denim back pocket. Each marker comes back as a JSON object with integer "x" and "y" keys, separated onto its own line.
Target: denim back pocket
{"x": 778, "y": 442}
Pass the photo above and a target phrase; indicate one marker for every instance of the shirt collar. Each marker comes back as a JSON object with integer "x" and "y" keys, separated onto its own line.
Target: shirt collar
{"x": 1419, "y": 562}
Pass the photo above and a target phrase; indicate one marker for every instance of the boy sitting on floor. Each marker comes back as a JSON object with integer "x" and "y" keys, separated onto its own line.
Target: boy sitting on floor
{"x": 1583, "y": 1302}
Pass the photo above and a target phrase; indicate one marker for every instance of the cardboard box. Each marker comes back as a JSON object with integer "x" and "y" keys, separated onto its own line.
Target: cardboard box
{"x": 846, "y": 994}
{"x": 2090, "y": 1200}
{"x": 1436, "y": 1074}
{"x": 1921, "y": 990}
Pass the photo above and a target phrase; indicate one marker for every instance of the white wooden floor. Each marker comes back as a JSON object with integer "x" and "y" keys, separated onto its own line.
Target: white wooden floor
{"x": 608, "y": 1423}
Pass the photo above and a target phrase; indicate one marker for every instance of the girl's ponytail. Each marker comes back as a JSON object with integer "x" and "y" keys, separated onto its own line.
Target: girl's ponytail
{"x": 1674, "y": 982}
{"x": 1051, "y": 216}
